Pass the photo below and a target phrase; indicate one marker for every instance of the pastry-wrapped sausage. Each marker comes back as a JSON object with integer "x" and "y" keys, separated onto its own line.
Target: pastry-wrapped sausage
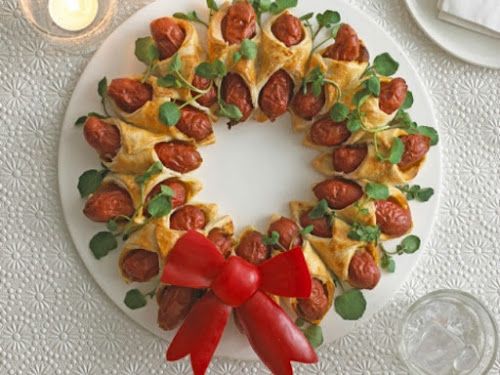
{"x": 127, "y": 149}
{"x": 343, "y": 62}
{"x": 288, "y": 231}
{"x": 283, "y": 52}
{"x": 139, "y": 103}
{"x": 120, "y": 195}
{"x": 251, "y": 247}
{"x": 174, "y": 304}
{"x": 173, "y": 35}
{"x": 314, "y": 308}
{"x": 338, "y": 250}
{"x": 359, "y": 161}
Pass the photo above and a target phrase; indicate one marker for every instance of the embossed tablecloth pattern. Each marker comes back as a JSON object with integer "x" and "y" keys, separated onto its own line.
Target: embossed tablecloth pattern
{"x": 54, "y": 319}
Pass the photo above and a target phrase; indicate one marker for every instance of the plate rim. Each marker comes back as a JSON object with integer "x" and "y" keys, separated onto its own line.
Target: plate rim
{"x": 411, "y": 10}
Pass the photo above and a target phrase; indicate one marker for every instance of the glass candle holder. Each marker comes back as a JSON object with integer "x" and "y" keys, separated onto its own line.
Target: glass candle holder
{"x": 448, "y": 332}
{"x": 76, "y": 26}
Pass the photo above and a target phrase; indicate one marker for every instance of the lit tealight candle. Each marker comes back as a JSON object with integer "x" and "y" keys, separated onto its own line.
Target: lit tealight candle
{"x": 73, "y": 15}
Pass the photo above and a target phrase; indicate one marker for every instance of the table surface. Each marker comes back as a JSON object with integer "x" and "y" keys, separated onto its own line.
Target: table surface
{"x": 54, "y": 319}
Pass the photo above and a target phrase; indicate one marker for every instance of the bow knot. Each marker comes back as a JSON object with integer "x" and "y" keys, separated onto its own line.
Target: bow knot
{"x": 195, "y": 262}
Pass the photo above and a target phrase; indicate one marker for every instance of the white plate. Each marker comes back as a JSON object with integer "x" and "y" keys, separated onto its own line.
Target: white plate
{"x": 253, "y": 171}
{"x": 472, "y": 47}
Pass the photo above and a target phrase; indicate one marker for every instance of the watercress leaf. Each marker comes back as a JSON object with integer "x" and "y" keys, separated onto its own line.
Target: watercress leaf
{"x": 365, "y": 233}
{"x": 423, "y": 195}
{"x": 397, "y": 150}
{"x": 317, "y": 86}
{"x": 112, "y": 225}
{"x": 169, "y": 113}
{"x": 328, "y": 18}
{"x": 168, "y": 81}
{"x": 272, "y": 239}
{"x": 89, "y": 182}
{"x": 264, "y": 5}
{"x": 373, "y": 85}
{"x": 388, "y": 263}
{"x": 211, "y": 70}
{"x": 339, "y": 112}
{"x": 307, "y": 16}
{"x": 410, "y": 244}
{"x": 153, "y": 170}
{"x": 248, "y": 49}
{"x": 146, "y": 51}
{"x": 102, "y": 87}
{"x": 307, "y": 230}
{"x": 353, "y": 124}
{"x": 320, "y": 210}
{"x": 359, "y": 98}
{"x": 175, "y": 64}
{"x": 280, "y": 5}
{"x": 102, "y": 243}
{"x": 219, "y": 68}
{"x": 212, "y": 5}
{"x": 314, "y": 335}
{"x": 236, "y": 57}
{"x": 408, "y": 103}
{"x": 190, "y": 16}
{"x": 81, "y": 120}
{"x": 167, "y": 190}
{"x": 350, "y": 305}
{"x": 377, "y": 191}
{"x": 429, "y": 132}
{"x": 230, "y": 111}
{"x": 385, "y": 65}
{"x": 134, "y": 299}
{"x": 299, "y": 322}
{"x": 160, "y": 205}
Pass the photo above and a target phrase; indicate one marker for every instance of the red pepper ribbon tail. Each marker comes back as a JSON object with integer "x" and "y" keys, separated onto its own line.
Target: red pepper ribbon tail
{"x": 200, "y": 333}
{"x": 273, "y": 335}
{"x": 193, "y": 262}
{"x": 286, "y": 275}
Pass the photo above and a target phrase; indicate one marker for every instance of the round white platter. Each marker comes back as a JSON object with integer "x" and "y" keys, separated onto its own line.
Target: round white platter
{"x": 470, "y": 46}
{"x": 254, "y": 170}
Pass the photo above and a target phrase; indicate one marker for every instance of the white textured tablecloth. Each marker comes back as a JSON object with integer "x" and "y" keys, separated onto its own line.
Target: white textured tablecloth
{"x": 54, "y": 319}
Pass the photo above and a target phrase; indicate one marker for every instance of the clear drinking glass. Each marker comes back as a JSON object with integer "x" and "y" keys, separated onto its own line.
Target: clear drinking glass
{"x": 81, "y": 41}
{"x": 448, "y": 332}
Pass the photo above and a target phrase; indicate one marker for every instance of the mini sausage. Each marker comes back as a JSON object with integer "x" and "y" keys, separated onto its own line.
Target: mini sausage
{"x": 321, "y": 227}
{"x": 168, "y": 36}
{"x": 392, "y": 219}
{"x": 202, "y": 83}
{"x": 107, "y": 203}
{"x": 348, "y": 158}
{"x": 177, "y": 186}
{"x": 235, "y": 91}
{"x": 188, "y": 218}
{"x": 363, "y": 272}
{"x": 103, "y": 137}
{"x": 347, "y": 46}
{"x": 221, "y": 240}
{"x": 174, "y": 303}
{"x": 416, "y": 147}
{"x": 239, "y": 23}
{"x": 392, "y": 95}
{"x": 128, "y": 94}
{"x": 338, "y": 192}
{"x": 288, "y": 29}
{"x": 326, "y": 132}
{"x": 276, "y": 94}
{"x": 316, "y": 306}
{"x": 194, "y": 123}
{"x": 288, "y": 231}
{"x": 308, "y": 105}
{"x": 140, "y": 265}
{"x": 178, "y": 156}
{"x": 252, "y": 248}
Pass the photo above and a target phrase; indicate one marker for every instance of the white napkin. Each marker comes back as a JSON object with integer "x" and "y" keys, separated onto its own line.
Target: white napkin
{"x": 482, "y": 16}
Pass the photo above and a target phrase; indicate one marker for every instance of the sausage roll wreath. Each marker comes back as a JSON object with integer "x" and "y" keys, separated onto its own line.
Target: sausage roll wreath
{"x": 353, "y": 112}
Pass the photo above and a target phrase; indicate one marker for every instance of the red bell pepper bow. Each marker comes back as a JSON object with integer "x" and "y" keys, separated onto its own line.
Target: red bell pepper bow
{"x": 195, "y": 262}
